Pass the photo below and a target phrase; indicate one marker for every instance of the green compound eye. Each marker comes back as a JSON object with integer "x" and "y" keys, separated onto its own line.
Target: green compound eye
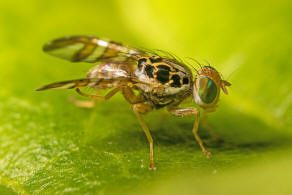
{"x": 207, "y": 89}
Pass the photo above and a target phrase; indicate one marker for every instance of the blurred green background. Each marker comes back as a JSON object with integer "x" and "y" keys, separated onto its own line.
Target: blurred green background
{"x": 49, "y": 146}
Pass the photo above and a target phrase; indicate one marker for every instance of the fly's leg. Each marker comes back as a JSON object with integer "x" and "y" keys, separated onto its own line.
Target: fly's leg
{"x": 189, "y": 111}
{"x": 83, "y": 103}
{"x": 143, "y": 109}
{"x": 130, "y": 96}
{"x": 215, "y": 135}
{"x": 92, "y": 103}
{"x": 97, "y": 97}
{"x": 140, "y": 108}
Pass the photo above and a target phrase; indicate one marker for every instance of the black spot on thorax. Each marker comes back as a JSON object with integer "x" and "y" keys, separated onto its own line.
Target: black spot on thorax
{"x": 163, "y": 67}
{"x": 162, "y": 75}
{"x": 185, "y": 80}
{"x": 176, "y": 81}
{"x": 149, "y": 70}
{"x": 155, "y": 60}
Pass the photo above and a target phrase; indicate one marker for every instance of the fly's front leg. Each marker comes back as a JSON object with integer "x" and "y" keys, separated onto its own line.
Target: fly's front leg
{"x": 215, "y": 135}
{"x": 143, "y": 109}
{"x": 189, "y": 111}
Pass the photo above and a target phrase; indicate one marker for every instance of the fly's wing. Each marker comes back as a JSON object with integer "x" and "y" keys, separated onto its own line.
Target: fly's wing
{"x": 71, "y": 84}
{"x": 90, "y": 49}
{"x": 95, "y": 83}
{"x": 86, "y": 82}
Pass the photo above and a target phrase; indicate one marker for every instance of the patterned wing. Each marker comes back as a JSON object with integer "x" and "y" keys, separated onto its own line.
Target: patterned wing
{"x": 86, "y": 82}
{"x": 90, "y": 49}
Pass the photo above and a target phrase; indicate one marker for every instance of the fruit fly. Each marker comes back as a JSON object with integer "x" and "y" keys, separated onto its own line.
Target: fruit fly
{"x": 146, "y": 79}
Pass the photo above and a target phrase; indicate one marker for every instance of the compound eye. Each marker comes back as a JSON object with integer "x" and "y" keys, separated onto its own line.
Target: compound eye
{"x": 207, "y": 90}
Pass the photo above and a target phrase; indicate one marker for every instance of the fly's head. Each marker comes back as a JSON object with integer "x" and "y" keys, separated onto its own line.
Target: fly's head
{"x": 207, "y": 86}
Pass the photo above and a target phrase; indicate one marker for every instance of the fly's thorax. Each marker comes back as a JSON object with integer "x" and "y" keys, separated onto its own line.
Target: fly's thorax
{"x": 206, "y": 89}
{"x": 162, "y": 74}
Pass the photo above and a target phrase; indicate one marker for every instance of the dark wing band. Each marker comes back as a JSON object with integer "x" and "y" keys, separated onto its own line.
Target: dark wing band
{"x": 90, "y": 49}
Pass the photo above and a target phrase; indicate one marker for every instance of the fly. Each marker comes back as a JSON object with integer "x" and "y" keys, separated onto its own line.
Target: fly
{"x": 159, "y": 80}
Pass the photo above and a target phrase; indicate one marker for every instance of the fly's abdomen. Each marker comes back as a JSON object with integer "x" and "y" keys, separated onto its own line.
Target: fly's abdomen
{"x": 110, "y": 71}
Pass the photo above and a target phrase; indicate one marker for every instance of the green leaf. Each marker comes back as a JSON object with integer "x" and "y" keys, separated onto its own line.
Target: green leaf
{"x": 49, "y": 146}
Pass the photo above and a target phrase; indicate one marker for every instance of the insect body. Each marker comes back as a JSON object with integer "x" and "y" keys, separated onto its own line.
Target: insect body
{"x": 161, "y": 81}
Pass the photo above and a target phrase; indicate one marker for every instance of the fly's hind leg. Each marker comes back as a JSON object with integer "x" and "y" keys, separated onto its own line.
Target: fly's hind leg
{"x": 83, "y": 103}
{"x": 92, "y": 103}
{"x": 189, "y": 111}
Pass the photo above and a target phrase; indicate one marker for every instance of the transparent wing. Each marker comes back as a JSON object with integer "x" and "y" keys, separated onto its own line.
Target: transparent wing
{"x": 90, "y": 49}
